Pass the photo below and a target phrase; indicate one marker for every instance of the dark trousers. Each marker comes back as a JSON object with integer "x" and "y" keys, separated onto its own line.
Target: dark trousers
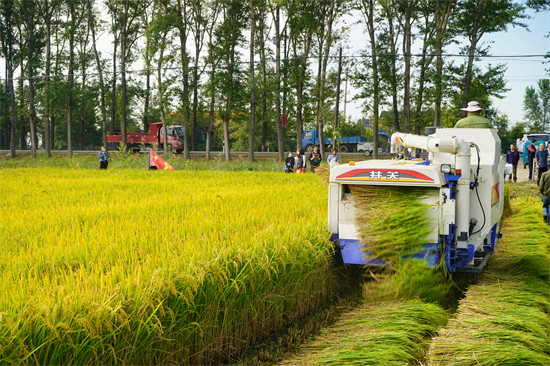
{"x": 530, "y": 162}
{"x": 541, "y": 170}
{"x": 103, "y": 164}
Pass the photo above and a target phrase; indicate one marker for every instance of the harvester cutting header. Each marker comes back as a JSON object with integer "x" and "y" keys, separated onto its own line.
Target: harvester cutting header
{"x": 463, "y": 178}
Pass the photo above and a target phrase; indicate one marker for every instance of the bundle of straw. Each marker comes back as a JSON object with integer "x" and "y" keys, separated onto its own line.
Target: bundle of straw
{"x": 392, "y": 221}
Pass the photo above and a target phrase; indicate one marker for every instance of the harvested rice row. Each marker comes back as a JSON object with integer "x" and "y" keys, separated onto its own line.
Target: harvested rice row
{"x": 138, "y": 267}
{"x": 504, "y": 319}
{"x": 402, "y": 302}
{"x": 382, "y": 333}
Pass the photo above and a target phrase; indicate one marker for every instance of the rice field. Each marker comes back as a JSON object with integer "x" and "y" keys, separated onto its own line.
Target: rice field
{"x": 137, "y": 267}
{"x": 504, "y": 319}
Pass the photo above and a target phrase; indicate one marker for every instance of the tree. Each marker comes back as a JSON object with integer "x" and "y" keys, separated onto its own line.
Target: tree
{"x": 252, "y": 83}
{"x": 8, "y": 39}
{"x": 478, "y": 17}
{"x": 536, "y": 105}
{"x": 368, "y": 8}
{"x": 91, "y": 20}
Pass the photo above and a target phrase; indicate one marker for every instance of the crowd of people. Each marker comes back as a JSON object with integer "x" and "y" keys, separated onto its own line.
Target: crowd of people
{"x": 299, "y": 162}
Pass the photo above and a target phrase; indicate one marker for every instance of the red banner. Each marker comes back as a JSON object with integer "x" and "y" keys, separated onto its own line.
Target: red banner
{"x": 156, "y": 162}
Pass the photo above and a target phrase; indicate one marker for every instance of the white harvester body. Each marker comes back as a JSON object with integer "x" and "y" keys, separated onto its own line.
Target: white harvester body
{"x": 464, "y": 181}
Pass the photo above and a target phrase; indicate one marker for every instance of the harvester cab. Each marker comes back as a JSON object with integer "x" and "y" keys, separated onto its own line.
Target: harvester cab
{"x": 463, "y": 178}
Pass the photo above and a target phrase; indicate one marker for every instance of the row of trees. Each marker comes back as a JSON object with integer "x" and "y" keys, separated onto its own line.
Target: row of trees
{"x": 227, "y": 70}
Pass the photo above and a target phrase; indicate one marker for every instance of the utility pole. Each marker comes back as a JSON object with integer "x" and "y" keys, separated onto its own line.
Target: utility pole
{"x": 338, "y": 90}
{"x": 7, "y": 119}
{"x": 346, "y": 95}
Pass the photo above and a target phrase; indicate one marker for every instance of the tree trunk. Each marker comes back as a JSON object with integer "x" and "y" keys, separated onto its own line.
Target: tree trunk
{"x": 252, "y": 85}
{"x": 442, "y": 15}
{"x": 83, "y": 87}
{"x": 320, "y": 121}
{"x": 101, "y": 83}
{"x": 70, "y": 83}
{"x": 280, "y": 132}
{"x": 182, "y": 15}
{"x": 32, "y": 109}
{"x": 264, "y": 87}
{"x": 407, "y": 45}
{"x": 195, "y": 91}
{"x": 393, "y": 83}
{"x": 211, "y": 121}
{"x": 32, "y": 114}
{"x": 161, "y": 102}
{"x": 11, "y": 90}
{"x": 113, "y": 89}
{"x": 124, "y": 98}
{"x": 367, "y": 7}
{"x": 47, "y": 138}
{"x": 300, "y": 92}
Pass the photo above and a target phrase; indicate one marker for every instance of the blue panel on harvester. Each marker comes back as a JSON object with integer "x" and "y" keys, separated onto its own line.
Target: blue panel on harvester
{"x": 353, "y": 252}
{"x": 430, "y": 254}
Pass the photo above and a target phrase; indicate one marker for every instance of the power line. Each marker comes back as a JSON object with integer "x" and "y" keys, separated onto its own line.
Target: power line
{"x": 314, "y": 57}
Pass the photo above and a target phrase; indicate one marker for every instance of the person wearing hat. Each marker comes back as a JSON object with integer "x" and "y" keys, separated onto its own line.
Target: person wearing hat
{"x": 474, "y": 119}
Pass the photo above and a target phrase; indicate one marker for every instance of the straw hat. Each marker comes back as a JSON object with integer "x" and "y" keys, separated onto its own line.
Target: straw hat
{"x": 473, "y": 106}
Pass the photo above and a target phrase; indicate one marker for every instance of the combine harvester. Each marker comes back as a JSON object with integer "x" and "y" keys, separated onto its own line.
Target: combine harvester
{"x": 464, "y": 181}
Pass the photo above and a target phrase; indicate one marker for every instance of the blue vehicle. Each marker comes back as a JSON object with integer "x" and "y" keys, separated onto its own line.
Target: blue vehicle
{"x": 310, "y": 138}
{"x": 536, "y": 138}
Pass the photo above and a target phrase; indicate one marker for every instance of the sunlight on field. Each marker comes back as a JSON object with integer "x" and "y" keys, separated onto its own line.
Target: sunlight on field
{"x": 155, "y": 267}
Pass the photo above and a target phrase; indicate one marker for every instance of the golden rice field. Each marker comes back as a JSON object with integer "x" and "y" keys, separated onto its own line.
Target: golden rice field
{"x": 142, "y": 267}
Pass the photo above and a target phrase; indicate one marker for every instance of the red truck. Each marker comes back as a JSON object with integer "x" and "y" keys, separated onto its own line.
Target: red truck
{"x": 138, "y": 140}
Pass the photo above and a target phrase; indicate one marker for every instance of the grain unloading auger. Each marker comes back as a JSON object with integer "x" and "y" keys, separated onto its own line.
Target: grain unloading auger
{"x": 464, "y": 181}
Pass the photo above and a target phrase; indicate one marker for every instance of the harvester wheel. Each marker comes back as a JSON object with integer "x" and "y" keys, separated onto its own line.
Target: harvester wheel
{"x": 309, "y": 148}
{"x": 368, "y": 152}
{"x": 343, "y": 149}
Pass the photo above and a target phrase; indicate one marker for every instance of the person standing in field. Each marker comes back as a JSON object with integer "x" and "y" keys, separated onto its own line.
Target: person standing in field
{"x": 103, "y": 158}
{"x": 474, "y": 118}
{"x": 314, "y": 159}
{"x": 289, "y": 163}
{"x": 544, "y": 189}
{"x": 332, "y": 158}
{"x": 531, "y": 152}
{"x": 541, "y": 158}
{"x": 300, "y": 161}
{"x": 512, "y": 157}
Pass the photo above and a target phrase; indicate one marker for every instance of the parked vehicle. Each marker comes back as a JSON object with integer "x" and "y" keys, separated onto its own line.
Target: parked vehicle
{"x": 139, "y": 140}
{"x": 310, "y": 138}
{"x": 532, "y": 137}
{"x": 383, "y": 147}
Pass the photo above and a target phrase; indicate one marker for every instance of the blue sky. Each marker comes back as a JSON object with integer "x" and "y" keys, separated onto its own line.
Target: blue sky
{"x": 522, "y": 72}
